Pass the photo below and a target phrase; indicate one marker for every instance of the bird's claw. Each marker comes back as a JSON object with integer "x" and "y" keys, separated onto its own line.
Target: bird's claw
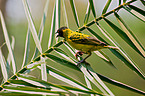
{"x": 82, "y": 61}
{"x": 78, "y": 64}
{"x": 79, "y": 53}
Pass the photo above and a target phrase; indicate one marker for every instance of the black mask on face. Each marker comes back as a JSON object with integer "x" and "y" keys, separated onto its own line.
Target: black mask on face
{"x": 60, "y": 31}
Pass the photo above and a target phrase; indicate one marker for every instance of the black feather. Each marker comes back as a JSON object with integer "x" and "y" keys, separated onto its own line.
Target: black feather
{"x": 60, "y": 31}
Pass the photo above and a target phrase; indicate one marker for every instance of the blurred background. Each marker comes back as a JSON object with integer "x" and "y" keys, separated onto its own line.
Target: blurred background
{"x": 17, "y": 26}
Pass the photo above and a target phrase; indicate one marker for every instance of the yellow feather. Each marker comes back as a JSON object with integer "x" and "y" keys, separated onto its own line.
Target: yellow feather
{"x": 82, "y": 42}
{"x": 78, "y": 36}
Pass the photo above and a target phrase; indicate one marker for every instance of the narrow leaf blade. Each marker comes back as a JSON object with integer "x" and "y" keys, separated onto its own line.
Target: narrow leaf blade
{"x": 104, "y": 57}
{"x": 131, "y": 64}
{"x": 65, "y": 78}
{"x": 74, "y": 12}
{"x": 130, "y": 35}
{"x": 11, "y": 93}
{"x": 58, "y": 16}
{"x": 8, "y": 42}
{"x": 3, "y": 66}
{"x": 65, "y": 14}
{"x": 93, "y": 73}
{"x": 124, "y": 1}
{"x": 92, "y": 7}
{"x": 143, "y": 2}
{"x": 41, "y": 29}
{"x": 137, "y": 9}
{"x": 84, "y": 69}
{"x": 62, "y": 61}
{"x": 9, "y": 55}
{"x": 43, "y": 69}
{"x": 122, "y": 35}
{"x": 31, "y": 90}
{"x": 119, "y": 2}
{"x": 126, "y": 59}
{"x": 87, "y": 14}
{"x": 35, "y": 81}
{"x": 31, "y": 25}
{"x": 26, "y": 53}
{"x": 63, "y": 54}
{"x": 120, "y": 84}
{"x": 135, "y": 13}
{"x": 106, "y": 7}
{"x": 52, "y": 30}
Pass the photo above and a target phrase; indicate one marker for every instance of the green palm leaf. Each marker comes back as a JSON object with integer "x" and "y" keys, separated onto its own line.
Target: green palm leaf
{"x": 87, "y": 81}
{"x": 8, "y": 43}
{"x": 74, "y": 12}
{"x": 31, "y": 25}
{"x": 92, "y": 8}
{"x": 130, "y": 34}
{"x": 106, "y": 6}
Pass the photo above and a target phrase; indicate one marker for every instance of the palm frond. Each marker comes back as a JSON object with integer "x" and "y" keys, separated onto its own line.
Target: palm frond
{"x": 62, "y": 54}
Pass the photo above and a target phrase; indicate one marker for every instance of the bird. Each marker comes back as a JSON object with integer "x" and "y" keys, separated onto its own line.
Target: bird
{"x": 86, "y": 44}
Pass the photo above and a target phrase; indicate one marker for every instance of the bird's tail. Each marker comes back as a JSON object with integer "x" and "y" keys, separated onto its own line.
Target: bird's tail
{"x": 111, "y": 47}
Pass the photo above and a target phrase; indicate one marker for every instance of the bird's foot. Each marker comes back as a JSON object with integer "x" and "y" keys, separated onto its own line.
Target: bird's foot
{"x": 78, "y": 64}
{"x": 82, "y": 61}
{"x": 79, "y": 53}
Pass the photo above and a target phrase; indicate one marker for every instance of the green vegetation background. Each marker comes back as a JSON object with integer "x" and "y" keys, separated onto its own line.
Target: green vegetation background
{"x": 122, "y": 73}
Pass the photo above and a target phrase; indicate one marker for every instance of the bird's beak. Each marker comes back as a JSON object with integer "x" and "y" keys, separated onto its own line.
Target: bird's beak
{"x": 57, "y": 34}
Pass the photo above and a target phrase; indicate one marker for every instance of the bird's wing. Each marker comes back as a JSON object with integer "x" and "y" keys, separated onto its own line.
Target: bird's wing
{"x": 85, "y": 39}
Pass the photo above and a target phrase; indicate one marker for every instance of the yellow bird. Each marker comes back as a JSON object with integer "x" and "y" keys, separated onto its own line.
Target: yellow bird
{"x": 82, "y": 42}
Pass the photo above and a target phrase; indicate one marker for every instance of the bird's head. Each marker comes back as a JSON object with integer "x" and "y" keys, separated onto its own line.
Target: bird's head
{"x": 60, "y": 31}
